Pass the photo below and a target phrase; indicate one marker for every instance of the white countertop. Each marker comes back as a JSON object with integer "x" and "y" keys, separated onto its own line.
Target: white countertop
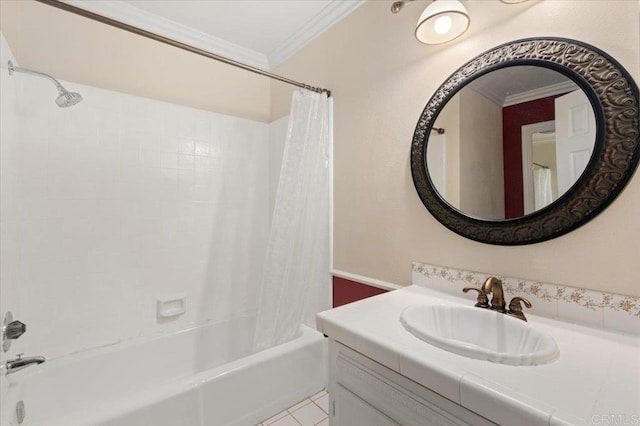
{"x": 595, "y": 381}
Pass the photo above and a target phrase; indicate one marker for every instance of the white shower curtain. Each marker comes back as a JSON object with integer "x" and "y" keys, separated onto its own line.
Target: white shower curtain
{"x": 542, "y": 187}
{"x": 296, "y": 279}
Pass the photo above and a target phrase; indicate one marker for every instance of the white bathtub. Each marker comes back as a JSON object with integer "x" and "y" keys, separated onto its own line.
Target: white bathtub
{"x": 205, "y": 375}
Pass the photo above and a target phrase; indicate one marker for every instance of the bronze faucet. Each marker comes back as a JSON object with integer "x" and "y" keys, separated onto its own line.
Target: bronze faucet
{"x": 481, "y": 301}
{"x": 515, "y": 308}
{"x": 493, "y": 285}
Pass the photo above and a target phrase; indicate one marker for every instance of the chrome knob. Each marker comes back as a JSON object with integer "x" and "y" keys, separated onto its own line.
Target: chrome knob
{"x": 14, "y": 330}
{"x": 11, "y": 330}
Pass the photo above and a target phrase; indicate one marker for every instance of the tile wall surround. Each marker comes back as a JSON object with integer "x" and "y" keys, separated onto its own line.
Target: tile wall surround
{"x": 577, "y": 305}
{"x": 117, "y": 201}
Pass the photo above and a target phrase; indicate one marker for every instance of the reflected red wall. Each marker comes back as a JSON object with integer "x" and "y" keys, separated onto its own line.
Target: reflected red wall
{"x": 347, "y": 291}
{"x": 513, "y": 118}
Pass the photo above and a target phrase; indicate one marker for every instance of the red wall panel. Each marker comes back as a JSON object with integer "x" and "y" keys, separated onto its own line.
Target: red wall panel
{"x": 513, "y": 118}
{"x": 347, "y": 291}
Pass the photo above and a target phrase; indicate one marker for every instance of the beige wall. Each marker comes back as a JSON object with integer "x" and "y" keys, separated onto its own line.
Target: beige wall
{"x": 481, "y": 164}
{"x": 74, "y": 48}
{"x": 382, "y": 77}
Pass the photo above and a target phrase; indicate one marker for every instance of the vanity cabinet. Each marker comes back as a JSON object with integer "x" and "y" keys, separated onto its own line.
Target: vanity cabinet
{"x": 382, "y": 374}
{"x": 365, "y": 393}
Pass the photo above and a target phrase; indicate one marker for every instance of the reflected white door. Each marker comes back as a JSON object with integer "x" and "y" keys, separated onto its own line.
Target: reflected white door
{"x": 437, "y": 163}
{"x": 575, "y": 137}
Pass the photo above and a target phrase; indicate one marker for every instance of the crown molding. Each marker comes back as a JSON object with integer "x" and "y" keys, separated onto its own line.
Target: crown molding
{"x": 331, "y": 14}
{"x": 542, "y": 92}
{"x": 494, "y": 97}
{"x": 132, "y": 15}
{"x": 531, "y": 95}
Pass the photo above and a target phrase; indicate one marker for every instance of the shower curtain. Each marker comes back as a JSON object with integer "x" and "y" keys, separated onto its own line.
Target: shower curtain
{"x": 296, "y": 279}
{"x": 542, "y": 187}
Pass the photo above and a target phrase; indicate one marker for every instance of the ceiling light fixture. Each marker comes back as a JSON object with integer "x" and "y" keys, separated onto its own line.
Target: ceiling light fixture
{"x": 442, "y": 20}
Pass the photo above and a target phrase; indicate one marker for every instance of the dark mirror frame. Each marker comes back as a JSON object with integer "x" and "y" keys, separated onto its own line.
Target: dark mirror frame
{"x": 614, "y": 98}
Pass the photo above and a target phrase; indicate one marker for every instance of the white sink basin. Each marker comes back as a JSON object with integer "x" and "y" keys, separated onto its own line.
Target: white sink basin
{"x": 480, "y": 333}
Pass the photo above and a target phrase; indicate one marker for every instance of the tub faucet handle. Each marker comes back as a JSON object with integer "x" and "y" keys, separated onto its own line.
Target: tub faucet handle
{"x": 482, "y": 301}
{"x": 15, "y": 329}
{"x": 11, "y": 330}
{"x": 515, "y": 308}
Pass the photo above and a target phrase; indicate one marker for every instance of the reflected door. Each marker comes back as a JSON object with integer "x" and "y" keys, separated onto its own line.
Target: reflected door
{"x": 575, "y": 137}
{"x": 437, "y": 163}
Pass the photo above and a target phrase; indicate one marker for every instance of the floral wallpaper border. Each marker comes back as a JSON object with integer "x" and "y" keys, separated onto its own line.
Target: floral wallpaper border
{"x": 565, "y": 297}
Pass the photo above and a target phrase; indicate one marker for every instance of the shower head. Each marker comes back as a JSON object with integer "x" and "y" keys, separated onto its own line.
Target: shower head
{"x": 67, "y": 99}
{"x": 64, "y": 99}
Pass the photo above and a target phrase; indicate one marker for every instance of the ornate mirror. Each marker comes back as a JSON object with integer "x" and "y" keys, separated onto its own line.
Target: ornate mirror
{"x": 527, "y": 141}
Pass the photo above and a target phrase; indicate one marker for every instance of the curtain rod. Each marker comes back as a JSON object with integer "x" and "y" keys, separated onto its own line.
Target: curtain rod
{"x": 121, "y": 25}
{"x": 540, "y": 165}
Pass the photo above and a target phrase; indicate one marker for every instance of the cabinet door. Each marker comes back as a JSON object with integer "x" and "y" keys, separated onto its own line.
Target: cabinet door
{"x": 375, "y": 395}
{"x": 353, "y": 411}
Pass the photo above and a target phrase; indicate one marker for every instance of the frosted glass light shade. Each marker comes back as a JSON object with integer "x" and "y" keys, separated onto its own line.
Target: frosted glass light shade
{"x": 442, "y": 21}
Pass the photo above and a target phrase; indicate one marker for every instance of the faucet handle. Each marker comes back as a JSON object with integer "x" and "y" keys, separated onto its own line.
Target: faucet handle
{"x": 482, "y": 301}
{"x": 515, "y": 308}
{"x": 11, "y": 330}
{"x": 15, "y": 329}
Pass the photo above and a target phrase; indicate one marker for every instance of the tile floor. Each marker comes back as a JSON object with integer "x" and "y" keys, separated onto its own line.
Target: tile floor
{"x": 313, "y": 411}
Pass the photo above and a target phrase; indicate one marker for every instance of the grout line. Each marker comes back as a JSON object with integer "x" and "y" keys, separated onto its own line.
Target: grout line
{"x": 321, "y": 409}
{"x": 284, "y": 413}
{"x": 299, "y": 406}
{"x": 289, "y": 413}
{"x": 319, "y": 395}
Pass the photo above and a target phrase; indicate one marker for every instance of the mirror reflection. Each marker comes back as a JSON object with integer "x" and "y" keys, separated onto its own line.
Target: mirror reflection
{"x": 511, "y": 142}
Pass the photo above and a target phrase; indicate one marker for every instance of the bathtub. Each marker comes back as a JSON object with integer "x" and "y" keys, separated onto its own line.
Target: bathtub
{"x": 204, "y": 375}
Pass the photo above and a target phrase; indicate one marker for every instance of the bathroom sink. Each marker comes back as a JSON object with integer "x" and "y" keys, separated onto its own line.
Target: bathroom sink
{"x": 479, "y": 333}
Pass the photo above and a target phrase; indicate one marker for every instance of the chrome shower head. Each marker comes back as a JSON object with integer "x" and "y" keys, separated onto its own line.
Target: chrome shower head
{"x": 64, "y": 99}
{"x": 67, "y": 99}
